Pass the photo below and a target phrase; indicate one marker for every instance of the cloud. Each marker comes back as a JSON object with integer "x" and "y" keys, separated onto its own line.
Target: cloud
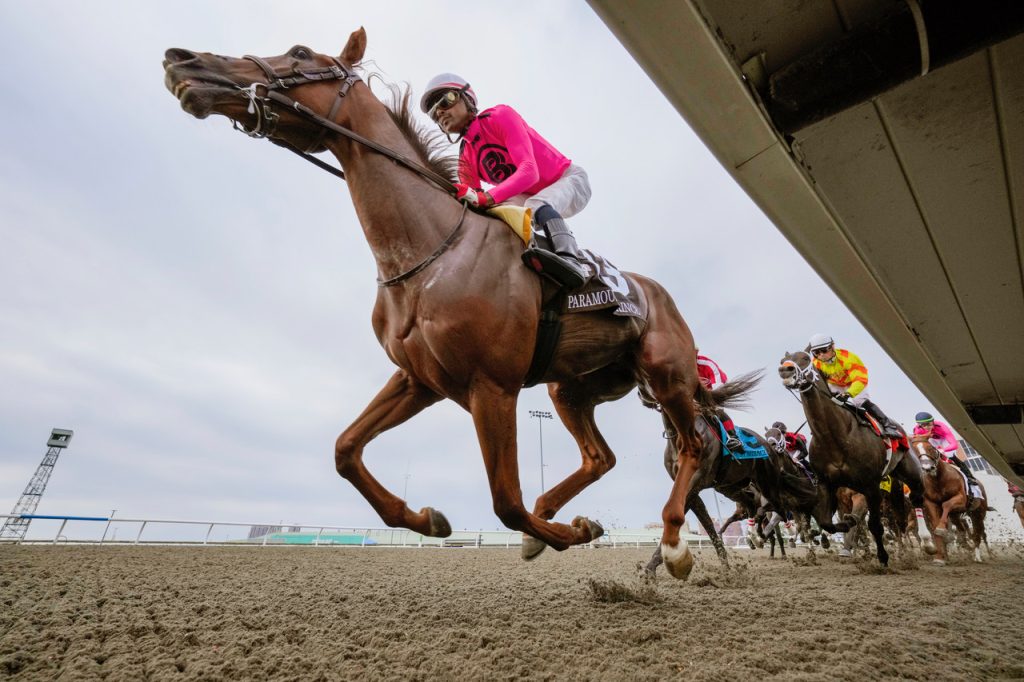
{"x": 196, "y": 304}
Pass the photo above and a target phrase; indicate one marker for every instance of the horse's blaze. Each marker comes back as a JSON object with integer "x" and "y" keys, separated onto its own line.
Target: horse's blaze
{"x": 678, "y": 560}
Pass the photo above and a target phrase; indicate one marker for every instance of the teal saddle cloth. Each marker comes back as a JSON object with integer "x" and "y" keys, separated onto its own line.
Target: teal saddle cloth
{"x": 754, "y": 450}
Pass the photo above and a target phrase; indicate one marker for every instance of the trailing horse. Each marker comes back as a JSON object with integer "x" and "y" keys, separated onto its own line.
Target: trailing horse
{"x": 845, "y": 452}
{"x": 456, "y": 310}
{"x": 947, "y": 498}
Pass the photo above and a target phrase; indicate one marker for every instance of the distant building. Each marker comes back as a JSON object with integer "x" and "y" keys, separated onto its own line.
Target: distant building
{"x": 975, "y": 460}
{"x": 260, "y": 531}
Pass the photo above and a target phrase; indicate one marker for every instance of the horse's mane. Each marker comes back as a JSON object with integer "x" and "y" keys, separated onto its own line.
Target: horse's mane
{"x": 431, "y": 146}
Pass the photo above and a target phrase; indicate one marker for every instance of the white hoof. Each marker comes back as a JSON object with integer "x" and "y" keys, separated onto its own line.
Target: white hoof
{"x": 845, "y": 553}
{"x": 938, "y": 562}
{"x": 678, "y": 560}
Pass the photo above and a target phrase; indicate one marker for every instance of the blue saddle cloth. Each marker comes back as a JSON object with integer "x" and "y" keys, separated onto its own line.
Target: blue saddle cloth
{"x": 754, "y": 450}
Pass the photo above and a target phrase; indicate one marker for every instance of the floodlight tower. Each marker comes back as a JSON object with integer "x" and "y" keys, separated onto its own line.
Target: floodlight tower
{"x": 15, "y": 528}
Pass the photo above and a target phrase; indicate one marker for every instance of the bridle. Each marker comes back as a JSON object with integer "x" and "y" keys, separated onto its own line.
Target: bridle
{"x": 926, "y": 449}
{"x": 266, "y": 125}
{"x": 267, "y": 118}
{"x": 806, "y": 377}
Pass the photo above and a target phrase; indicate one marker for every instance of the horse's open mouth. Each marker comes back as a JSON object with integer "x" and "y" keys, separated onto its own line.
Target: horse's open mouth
{"x": 196, "y": 96}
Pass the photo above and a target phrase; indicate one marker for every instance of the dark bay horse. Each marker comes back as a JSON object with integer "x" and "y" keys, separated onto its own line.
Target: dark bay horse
{"x": 456, "y": 311}
{"x": 946, "y": 500}
{"x": 844, "y": 452}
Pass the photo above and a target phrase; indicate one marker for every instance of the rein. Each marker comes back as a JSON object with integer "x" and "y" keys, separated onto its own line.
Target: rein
{"x": 266, "y": 118}
{"x": 266, "y": 125}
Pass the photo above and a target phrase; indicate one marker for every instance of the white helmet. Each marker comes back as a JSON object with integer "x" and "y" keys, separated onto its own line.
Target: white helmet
{"x": 446, "y": 81}
{"x": 820, "y": 341}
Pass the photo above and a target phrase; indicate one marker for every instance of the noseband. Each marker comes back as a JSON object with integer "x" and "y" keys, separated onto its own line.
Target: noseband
{"x": 805, "y": 376}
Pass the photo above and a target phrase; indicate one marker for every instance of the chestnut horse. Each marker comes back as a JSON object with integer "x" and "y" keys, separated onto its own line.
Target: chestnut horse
{"x": 946, "y": 499}
{"x": 456, "y": 312}
{"x": 844, "y": 452}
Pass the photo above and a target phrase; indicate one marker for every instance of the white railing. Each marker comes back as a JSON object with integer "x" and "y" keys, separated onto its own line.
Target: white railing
{"x": 104, "y": 531}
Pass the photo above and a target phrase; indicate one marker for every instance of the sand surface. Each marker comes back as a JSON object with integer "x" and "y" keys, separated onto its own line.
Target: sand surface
{"x": 182, "y": 613}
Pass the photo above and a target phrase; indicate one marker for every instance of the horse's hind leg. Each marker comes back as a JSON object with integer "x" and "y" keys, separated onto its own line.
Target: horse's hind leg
{"x": 576, "y": 410}
{"x": 875, "y": 525}
{"x": 401, "y": 398}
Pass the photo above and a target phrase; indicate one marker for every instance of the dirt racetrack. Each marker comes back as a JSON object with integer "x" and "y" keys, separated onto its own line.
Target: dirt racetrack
{"x": 250, "y": 613}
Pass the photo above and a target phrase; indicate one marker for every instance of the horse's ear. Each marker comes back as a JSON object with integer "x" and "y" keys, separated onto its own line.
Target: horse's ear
{"x": 354, "y": 49}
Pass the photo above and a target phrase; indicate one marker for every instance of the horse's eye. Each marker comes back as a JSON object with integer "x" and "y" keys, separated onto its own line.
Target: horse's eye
{"x": 300, "y": 53}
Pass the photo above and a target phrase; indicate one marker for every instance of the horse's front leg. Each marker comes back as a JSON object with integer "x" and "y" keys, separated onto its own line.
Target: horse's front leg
{"x": 494, "y": 415}
{"x": 401, "y": 398}
{"x": 932, "y": 515}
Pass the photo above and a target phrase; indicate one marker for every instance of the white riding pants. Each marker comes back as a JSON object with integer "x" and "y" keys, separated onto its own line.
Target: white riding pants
{"x": 568, "y": 195}
{"x": 857, "y": 401}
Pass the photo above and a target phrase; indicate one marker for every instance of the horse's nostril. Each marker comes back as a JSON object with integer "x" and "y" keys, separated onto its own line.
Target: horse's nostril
{"x": 177, "y": 55}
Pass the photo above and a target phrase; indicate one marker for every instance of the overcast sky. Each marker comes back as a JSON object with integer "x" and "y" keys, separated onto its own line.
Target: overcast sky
{"x": 208, "y": 338}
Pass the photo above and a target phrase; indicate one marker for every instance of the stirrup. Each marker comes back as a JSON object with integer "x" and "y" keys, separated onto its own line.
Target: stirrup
{"x": 562, "y": 270}
{"x": 734, "y": 444}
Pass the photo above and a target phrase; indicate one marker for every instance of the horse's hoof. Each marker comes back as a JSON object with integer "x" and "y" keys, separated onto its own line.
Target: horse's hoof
{"x": 532, "y": 547}
{"x": 824, "y": 542}
{"x": 929, "y": 549}
{"x": 845, "y": 553}
{"x": 595, "y": 528}
{"x": 678, "y": 560}
{"x": 439, "y": 526}
{"x": 941, "y": 532}
{"x": 938, "y": 562}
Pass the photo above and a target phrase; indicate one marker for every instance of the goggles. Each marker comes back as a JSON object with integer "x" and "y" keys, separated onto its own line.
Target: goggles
{"x": 446, "y": 101}
{"x": 821, "y": 351}
{"x": 926, "y": 422}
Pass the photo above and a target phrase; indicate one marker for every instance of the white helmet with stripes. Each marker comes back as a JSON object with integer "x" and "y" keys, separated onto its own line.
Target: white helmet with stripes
{"x": 443, "y": 82}
{"x": 820, "y": 342}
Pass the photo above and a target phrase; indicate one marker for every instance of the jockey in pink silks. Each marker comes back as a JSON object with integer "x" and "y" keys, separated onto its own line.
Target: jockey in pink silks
{"x": 498, "y": 148}
{"x": 943, "y": 438}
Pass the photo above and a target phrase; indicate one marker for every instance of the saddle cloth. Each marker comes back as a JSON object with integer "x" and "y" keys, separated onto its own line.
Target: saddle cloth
{"x": 607, "y": 288}
{"x": 891, "y": 444}
{"x": 752, "y": 448}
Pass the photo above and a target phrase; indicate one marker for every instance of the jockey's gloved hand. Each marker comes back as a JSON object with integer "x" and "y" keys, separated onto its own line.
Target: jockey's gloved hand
{"x": 844, "y": 397}
{"x": 473, "y": 197}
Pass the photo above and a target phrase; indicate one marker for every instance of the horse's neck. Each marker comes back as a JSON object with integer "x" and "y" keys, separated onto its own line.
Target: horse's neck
{"x": 826, "y": 419}
{"x": 401, "y": 213}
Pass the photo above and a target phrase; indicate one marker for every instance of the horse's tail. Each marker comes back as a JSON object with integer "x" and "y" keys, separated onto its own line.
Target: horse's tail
{"x": 732, "y": 394}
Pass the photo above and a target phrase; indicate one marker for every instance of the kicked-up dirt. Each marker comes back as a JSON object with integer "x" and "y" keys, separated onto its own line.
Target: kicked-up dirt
{"x": 329, "y": 613}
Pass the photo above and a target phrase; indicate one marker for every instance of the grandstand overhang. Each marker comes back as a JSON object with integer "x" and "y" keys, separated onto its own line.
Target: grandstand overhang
{"x": 894, "y": 166}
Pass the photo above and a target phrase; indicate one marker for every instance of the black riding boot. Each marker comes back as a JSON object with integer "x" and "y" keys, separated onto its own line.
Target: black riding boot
{"x": 563, "y": 265}
{"x": 962, "y": 466}
{"x": 890, "y": 428}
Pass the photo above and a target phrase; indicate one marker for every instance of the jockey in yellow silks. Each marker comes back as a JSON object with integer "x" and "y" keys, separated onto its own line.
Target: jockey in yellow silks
{"x": 847, "y": 378}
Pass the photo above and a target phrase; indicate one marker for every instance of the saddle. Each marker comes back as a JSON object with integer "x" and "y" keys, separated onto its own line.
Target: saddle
{"x": 974, "y": 495}
{"x": 865, "y": 419}
{"x": 606, "y": 288}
